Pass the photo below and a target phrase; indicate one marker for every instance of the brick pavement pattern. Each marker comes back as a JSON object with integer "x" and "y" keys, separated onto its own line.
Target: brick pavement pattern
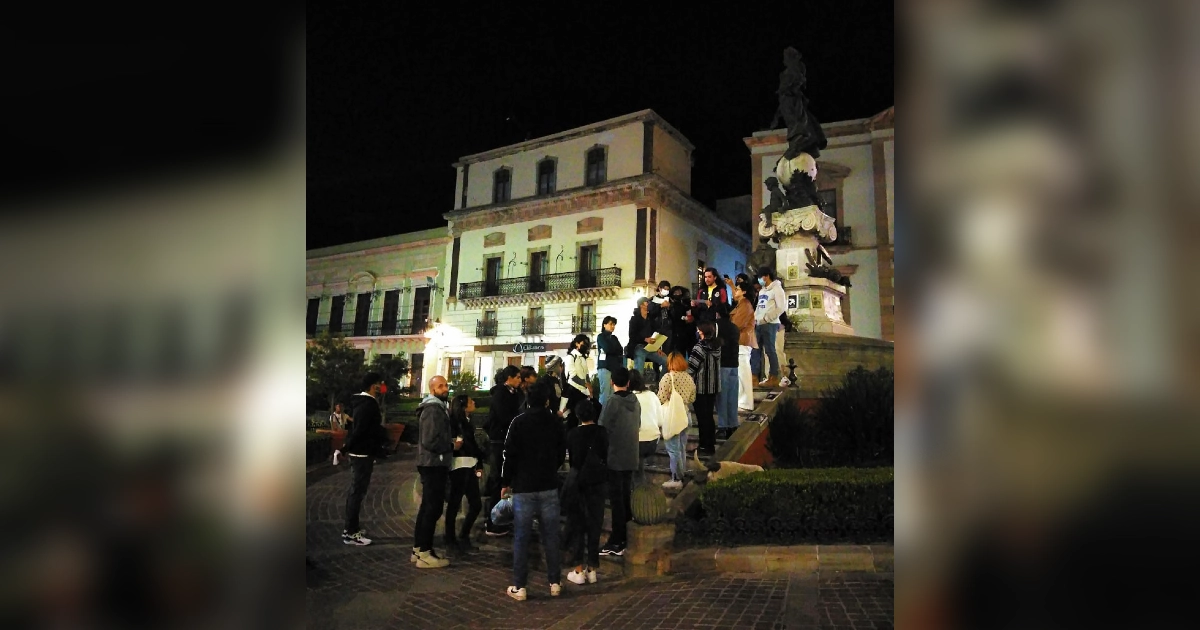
{"x": 377, "y": 586}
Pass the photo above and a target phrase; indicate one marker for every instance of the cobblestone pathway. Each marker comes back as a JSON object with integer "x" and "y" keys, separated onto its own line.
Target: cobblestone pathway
{"x": 377, "y": 587}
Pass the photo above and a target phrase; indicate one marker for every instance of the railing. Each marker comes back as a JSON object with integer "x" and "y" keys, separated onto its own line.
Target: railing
{"x": 582, "y": 324}
{"x": 606, "y": 277}
{"x": 485, "y": 328}
{"x": 375, "y": 329}
{"x": 533, "y": 325}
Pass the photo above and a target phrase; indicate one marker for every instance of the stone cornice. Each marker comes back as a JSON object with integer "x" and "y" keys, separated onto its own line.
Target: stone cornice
{"x": 440, "y": 241}
{"x": 524, "y": 299}
{"x": 645, "y": 190}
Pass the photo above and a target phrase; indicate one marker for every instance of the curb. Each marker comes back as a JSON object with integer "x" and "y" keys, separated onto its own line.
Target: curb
{"x": 786, "y": 559}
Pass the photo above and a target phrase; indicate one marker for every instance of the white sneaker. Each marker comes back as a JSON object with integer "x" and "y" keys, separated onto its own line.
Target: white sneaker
{"x": 516, "y": 593}
{"x": 591, "y": 576}
{"x": 413, "y": 557}
{"x": 784, "y": 382}
{"x": 672, "y": 485}
{"x": 576, "y": 578}
{"x": 356, "y": 539}
{"x": 429, "y": 560}
{"x": 764, "y": 381}
{"x": 555, "y": 590}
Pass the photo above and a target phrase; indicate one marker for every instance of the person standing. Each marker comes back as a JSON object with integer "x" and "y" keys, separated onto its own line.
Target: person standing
{"x": 465, "y": 471}
{"x": 362, "y": 445}
{"x": 743, "y": 318}
{"x": 727, "y": 399}
{"x": 772, "y": 302}
{"x": 683, "y": 326}
{"x": 577, "y": 382}
{"x": 713, "y": 293}
{"x": 622, "y": 417}
{"x": 704, "y": 366}
{"x": 504, "y": 407}
{"x": 586, "y": 516}
{"x": 534, "y": 450}
{"x": 673, "y": 425}
{"x": 609, "y": 355}
{"x": 338, "y": 420}
{"x": 435, "y": 455}
{"x": 527, "y": 375}
{"x": 641, "y": 332}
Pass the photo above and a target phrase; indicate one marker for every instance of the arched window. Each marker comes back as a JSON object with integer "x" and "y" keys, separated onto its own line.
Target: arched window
{"x": 546, "y": 176}
{"x": 502, "y": 185}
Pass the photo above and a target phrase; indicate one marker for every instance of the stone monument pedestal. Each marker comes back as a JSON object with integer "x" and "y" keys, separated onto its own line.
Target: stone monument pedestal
{"x": 814, "y": 304}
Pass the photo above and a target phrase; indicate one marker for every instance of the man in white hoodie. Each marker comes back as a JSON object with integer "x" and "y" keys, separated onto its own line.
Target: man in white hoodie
{"x": 772, "y": 302}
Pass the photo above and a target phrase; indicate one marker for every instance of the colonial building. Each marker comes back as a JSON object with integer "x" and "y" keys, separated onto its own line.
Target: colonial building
{"x": 551, "y": 235}
{"x": 855, "y": 176}
{"x": 383, "y": 295}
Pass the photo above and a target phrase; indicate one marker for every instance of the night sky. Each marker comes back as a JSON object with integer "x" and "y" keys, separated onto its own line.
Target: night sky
{"x": 394, "y": 97}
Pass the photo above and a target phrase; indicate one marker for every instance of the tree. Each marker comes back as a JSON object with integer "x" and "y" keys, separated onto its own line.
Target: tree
{"x": 393, "y": 369}
{"x": 335, "y": 369}
{"x": 464, "y": 382}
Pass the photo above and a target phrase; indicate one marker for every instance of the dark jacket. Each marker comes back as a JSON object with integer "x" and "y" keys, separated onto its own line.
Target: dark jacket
{"x": 470, "y": 448}
{"x": 534, "y": 450}
{"x": 587, "y": 437}
{"x": 717, "y": 294}
{"x": 503, "y": 409}
{"x": 704, "y": 366}
{"x": 366, "y": 435}
{"x": 683, "y": 332}
{"x": 729, "y": 334}
{"x": 639, "y": 328}
{"x": 622, "y": 416}
{"x": 435, "y": 444}
{"x": 608, "y": 343}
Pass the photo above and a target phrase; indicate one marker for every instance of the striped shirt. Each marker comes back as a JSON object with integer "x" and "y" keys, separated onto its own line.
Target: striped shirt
{"x": 704, "y": 366}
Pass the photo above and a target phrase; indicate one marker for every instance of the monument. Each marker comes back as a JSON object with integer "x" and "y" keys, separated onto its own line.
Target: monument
{"x": 794, "y": 223}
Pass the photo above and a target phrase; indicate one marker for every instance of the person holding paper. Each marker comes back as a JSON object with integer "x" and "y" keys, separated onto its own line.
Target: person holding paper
{"x": 641, "y": 333}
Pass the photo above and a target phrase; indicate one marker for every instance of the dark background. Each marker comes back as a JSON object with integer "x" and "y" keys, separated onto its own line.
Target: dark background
{"x": 394, "y": 98}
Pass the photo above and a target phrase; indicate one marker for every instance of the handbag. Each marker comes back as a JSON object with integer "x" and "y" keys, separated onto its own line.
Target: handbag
{"x": 675, "y": 413}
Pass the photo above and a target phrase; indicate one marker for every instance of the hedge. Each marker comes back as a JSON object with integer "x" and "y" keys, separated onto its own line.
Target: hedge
{"x": 787, "y": 506}
{"x": 318, "y": 447}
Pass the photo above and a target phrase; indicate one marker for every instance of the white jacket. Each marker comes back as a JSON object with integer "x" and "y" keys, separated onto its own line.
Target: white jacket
{"x": 650, "y": 410}
{"x": 577, "y": 370}
{"x": 772, "y": 302}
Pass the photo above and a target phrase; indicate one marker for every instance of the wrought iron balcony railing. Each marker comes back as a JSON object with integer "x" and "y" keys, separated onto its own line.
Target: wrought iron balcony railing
{"x": 581, "y": 324}
{"x": 374, "y": 329}
{"x": 533, "y": 325}
{"x": 485, "y": 328}
{"x": 606, "y": 277}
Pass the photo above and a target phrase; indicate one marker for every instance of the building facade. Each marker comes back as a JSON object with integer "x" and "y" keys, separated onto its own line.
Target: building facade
{"x": 383, "y": 295}
{"x": 551, "y": 235}
{"x": 855, "y": 177}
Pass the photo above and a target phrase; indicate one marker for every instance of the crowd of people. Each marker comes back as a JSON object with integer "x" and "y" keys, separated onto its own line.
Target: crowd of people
{"x": 717, "y": 343}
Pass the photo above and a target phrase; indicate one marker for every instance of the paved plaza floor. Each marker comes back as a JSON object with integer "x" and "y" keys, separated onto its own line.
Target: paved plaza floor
{"x": 377, "y": 586}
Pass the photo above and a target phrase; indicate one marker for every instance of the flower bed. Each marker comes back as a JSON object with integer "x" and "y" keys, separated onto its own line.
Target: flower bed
{"x": 823, "y": 505}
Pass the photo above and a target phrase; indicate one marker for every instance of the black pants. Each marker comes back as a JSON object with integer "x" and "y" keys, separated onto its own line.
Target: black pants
{"x": 645, "y": 450}
{"x": 360, "y": 478}
{"x": 492, "y": 485}
{"x": 462, "y": 482}
{"x": 433, "y": 496}
{"x": 584, "y": 520}
{"x": 620, "y": 491}
{"x": 704, "y": 417}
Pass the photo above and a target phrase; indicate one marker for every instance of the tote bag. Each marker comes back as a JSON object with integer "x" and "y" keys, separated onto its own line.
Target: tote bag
{"x": 674, "y": 413}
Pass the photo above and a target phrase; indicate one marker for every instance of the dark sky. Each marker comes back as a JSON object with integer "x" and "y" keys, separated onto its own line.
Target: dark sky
{"x": 395, "y": 97}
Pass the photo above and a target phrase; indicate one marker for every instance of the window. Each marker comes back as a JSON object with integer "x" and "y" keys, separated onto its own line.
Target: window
{"x": 335, "y": 314}
{"x": 489, "y": 316}
{"x": 455, "y": 368}
{"x": 492, "y": 275}
{"x": 546, "y": 177}
{"x": 310, "y": 320}
{"x": 700, "y": 266}
{"x": 534, "y": 324}
{"x": 585, "y": 321}
{"x": 589, "y": 264}
{"x": 539, "y": 266}
{"x": 502, "y": 185}
{"x": 597, "y": 167}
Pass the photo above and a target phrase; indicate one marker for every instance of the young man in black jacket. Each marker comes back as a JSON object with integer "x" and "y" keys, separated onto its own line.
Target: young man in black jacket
{"x": 504, "y": 407}
{"x": 641, "y": 332}
{"x": 534, "y": 450}
{"x": 363, "y": 444}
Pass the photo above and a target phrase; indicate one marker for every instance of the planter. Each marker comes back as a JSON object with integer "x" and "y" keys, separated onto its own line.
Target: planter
{"x": 317, "y": 449}
{"x": 649, "y": 549}
{"x": 337, "y": 437}
{"x": 394, "y": 431}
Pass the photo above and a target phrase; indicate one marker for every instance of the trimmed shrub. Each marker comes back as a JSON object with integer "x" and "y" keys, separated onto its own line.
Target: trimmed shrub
{"x": 792, "y": 506}
{"x": 852, "y": 425}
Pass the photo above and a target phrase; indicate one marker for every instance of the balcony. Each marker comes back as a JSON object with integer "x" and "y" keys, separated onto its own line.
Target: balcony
{"x": 582, "y": 324}
{"x": 533, "y": 325}
{"x": 606, "y": 277}
{"x": 374, "y": 329}
{"x": 485, "y": 328}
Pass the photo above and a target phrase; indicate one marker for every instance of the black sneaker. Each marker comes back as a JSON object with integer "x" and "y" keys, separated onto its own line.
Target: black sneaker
{"x": 617, "y": 550}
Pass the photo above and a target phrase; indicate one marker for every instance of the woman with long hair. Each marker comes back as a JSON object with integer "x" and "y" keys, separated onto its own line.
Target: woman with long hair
{"x": 579, "y": 384}
{"x": 465, "y": 471}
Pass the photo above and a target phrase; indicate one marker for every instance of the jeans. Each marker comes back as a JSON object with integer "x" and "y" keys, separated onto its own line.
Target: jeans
{"x": 606, "y": 388}
{"x": 543, "y": 505}
{"x": 584, "y": 521}
{"x": 727, "y": 400}
{"x": 704, "y": 417}
{"x": 676, "y": 450}
{"x": 640, "y": 356}
{"x": 620, "y": 492}
{"x": 756, "y": 360}
{"x": 462, "y": 482}
{"x": 433, "y": 497}
{"x": 492, "y": 485}
{"x": 745, "y": 381}
{"x": 360, "y": 478}
{"x": 765, "y": 334}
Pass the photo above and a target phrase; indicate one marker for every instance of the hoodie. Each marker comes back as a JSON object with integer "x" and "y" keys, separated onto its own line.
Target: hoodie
{"x": 534, "y": 450}
{"x": 505, "y": 406}
{"x": 622, "y": 417}
{"x": 772, "y": 302}
{"x": 366, "y": 435}
{"x": 435, "y": 445}
{"x": 704, "y": 365}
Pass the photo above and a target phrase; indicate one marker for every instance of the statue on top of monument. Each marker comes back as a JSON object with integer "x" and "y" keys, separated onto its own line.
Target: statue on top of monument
{"x": 804, "y": 131}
